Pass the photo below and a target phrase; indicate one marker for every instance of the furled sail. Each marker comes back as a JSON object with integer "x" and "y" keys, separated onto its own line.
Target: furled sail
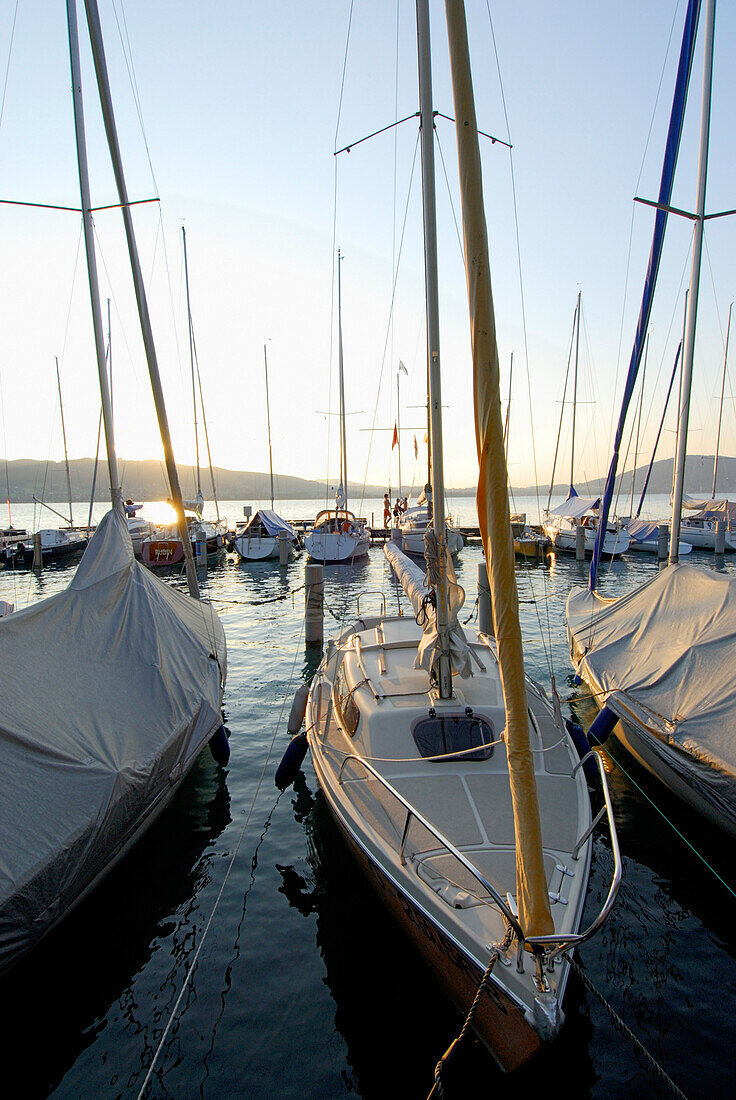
{"x": 492, "y": 497}
{"x": 414, "y": 583}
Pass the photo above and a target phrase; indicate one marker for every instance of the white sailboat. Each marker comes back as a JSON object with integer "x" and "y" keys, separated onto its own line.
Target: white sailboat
{"x": 337, "y": 535}
{"x": 163, "y": 547}
{"x": 258, "y": 539}
{"x": 562, "y": 523}
{"x": 659, "y": 659}
{"x": 456, "y": 787}
{"x": 132, "y": 670}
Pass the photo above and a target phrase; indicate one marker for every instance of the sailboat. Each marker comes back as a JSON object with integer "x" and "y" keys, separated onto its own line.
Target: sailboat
{"x": 164, "y": 546}
{"x": 337, "y": 535}
{"x": 659, "y": 659}
{"x": 456, "y": 787}
{"x": 94, "y": 745}
{"x": 562, "y": 523}
{"x": 260, "y": 537}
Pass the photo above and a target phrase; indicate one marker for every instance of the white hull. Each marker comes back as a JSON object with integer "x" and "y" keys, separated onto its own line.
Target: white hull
{"x": 651, "y": 546}
{"x": 565, "y": 538}
{"x": 412, "y": 541}
{"x": 336, "y": 546}
{"x": 704, "y": 538}
{"x": 467, "y": 801}
{"x": 257, "y": 549}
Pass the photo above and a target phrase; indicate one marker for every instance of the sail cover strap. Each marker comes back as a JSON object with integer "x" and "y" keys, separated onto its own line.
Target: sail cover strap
{"x": 660, "y": 223}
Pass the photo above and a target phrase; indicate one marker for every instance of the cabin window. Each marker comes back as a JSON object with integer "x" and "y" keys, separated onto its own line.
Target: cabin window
{"x": 347, "y": 711}
{"x": 437, "y": 735}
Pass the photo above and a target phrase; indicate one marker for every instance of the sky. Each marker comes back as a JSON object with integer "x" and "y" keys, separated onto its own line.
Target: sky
{"x": 230, "y": 114}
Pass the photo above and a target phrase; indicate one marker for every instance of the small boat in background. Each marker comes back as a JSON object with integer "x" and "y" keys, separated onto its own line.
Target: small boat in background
{"x": 57, "y": 544}
{"x": 564, "y": 521}
{"x": 414, "y": 525}
{"x": 528, "y": 543}
{"x": 259, "y": 538}
{"x": 644, "y": 537}
{"x": 164, "y": 546}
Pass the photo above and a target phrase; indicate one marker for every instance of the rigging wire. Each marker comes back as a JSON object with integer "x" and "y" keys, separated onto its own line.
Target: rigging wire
{"x": 7, "y": 66}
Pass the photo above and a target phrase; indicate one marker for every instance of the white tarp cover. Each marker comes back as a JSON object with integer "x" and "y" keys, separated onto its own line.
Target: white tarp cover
{"x": 109, "y": 692}
{"x": 708, "y": 508}
{"x": 575, "y": 507}
{"x": 665, "y": 652}
{"x": 414, "y": 583}
{"x": 273, "y": 523}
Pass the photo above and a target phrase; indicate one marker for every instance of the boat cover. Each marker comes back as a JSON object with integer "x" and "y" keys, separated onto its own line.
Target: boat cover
{"x": 711, "y": 509}
{"x": 643, "y": 530}
{"x": 414, "y": 583}
{"x": 575, "y": 507}
{"x": 273, "y": 523}
{"x": 110, "y": 689}
{"x": 663, "y": 658}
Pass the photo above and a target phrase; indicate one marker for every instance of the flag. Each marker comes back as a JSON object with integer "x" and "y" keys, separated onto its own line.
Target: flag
{"x": 396, "y": 436}
{"x": 402, "y": 367}
{"x": 416, "y": 448}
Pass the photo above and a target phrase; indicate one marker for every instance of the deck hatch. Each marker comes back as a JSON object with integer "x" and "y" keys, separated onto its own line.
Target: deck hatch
{"x": 437, "y": 735}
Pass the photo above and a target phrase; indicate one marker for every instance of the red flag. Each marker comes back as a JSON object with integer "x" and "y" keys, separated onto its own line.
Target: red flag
{"x": 396, "y": 437}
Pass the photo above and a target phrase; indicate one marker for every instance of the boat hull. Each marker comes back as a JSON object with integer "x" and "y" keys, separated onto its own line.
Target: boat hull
{"x": 498, "y": 1021}
{"x": 412, "y": 541}
{"x": 257, "y": 549}
{"x": 331, "y": 547}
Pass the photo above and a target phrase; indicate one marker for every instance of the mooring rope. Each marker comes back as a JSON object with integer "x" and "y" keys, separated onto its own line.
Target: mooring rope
{"x": 625, "y": 1029}
{"x": 236, "y": 850}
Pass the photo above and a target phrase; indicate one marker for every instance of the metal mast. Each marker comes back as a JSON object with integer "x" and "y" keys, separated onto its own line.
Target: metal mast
{"x": 103, "y": 85}
{"x": 426, "y": 115}
{"x": 720, "y": 407}
{"x": 343, "y": 441}
{"x": 268, "y": 422}
{"x": 116, "y": 495}
{"x": 692, "y": 312}
{"x": 191, "y": 359}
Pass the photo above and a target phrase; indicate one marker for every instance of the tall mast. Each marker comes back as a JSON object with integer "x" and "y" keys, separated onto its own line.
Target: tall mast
{"x": 575, "y": 393}
{"x": 191, "y": 360}
{"x": 343, "y": 443}
{"x": 398, "y": 421}
{"x": 103, "y": 85}
{"x": 720, "y": 407}
{"x": 692, "y": 312}
{"x": 116, "y": 495}
{"x": 66, "y": 455}
{"x": 426, "y": 114}
{"x": 268, "y": 423}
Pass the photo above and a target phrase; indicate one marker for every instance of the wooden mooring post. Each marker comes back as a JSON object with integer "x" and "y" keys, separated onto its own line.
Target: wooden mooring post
{"x": 314, "y": 599}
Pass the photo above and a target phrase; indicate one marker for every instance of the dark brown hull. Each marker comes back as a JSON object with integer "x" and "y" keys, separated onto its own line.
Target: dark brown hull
{"x": 499, "y": 1022}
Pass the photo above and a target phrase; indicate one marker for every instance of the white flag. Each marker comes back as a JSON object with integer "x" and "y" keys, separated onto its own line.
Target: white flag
{"x": 402, "y": 367}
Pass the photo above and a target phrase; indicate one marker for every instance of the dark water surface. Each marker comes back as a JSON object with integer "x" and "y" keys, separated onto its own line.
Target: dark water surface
{"x": 303, "y": 987}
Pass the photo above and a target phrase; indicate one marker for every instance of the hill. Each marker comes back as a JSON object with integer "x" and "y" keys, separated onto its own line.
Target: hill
{"x": 146, "y": 480}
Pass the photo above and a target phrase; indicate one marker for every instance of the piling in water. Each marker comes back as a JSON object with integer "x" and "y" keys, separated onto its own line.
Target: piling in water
{"x": 314, "y": 604}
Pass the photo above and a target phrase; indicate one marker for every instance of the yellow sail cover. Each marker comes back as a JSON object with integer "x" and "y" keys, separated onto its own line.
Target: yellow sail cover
{"x": 492, "y": 496}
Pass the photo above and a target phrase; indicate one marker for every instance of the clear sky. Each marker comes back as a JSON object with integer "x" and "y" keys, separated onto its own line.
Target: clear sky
{"x": 239, "y": 104}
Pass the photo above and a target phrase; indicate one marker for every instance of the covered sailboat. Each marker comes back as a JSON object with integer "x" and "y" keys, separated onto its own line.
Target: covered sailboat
{"x": 562, "y": 525}
{"x": 451, "y": 777}
{"x": 258, "y": 539}
{"x": 659, "y": 658}
{"x": 94, "y": 748}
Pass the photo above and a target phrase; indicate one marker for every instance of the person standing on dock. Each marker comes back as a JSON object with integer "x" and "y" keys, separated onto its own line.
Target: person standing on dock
{"x": 386, "y": 509}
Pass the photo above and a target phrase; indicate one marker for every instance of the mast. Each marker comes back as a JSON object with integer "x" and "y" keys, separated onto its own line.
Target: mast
{"x": 575, "y": 392}
{"x": 116, "y": 495}
{"x": 720, "y": 407}
{"x": 268, "y": 423}
{"x": 191, "y": 361}
{"x": 493, "y": 500}
{"x": 103, "y": 85}
{"x": 66, "y": 455}
{"x": 433, "y": 341}
{"x": 638, "y": 425}
{"x": 398, "y": 420}
{"x": 508, "y": 413}
{"x": 692, "y": 312}
{"x": 343, "y": 443}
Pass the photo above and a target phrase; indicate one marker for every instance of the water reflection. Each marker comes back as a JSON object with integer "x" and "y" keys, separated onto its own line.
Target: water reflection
{"x": 65, "y": 988}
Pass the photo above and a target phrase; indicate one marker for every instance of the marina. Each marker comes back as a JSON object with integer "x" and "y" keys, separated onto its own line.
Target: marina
{"x": 277, "y": 973}
{"x": 342, "y": 781}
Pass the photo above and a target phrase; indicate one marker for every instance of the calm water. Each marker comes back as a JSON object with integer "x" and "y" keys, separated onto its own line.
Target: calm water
{"x": 303, "y": 987}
